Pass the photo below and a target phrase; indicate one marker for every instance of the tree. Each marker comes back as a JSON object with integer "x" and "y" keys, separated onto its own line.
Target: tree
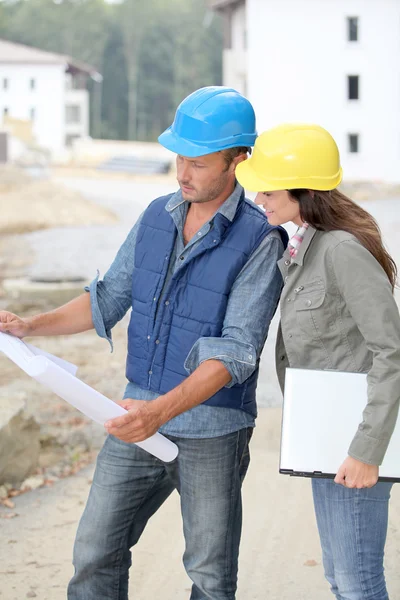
{"x": 115, "y": 106}
{"x": 72, "y": 27}
{"x": 2, "y": 18}
{"x": 134, "y": 18}
{"x": 151, "y": 53}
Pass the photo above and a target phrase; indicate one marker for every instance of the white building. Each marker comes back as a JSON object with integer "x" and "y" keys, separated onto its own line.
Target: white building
{"x": 47, "y": 91}
{"x": 332, "y": 62}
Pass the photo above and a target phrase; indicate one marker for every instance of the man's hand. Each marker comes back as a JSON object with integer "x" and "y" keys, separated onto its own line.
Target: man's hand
{"x": 145, "y": 418}
{"x": 356, "y": 474}
{"x": 142, "y": 420}
{"x": 10, "y": 323}
{"x": 73, "y": 317}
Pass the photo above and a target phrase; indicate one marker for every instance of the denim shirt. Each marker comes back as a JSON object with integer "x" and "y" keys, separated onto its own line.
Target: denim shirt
{"x": 252, "y": 304}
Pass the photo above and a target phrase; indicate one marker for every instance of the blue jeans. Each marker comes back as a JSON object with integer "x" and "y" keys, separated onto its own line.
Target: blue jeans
{"x": 130, "y": 485}
{"x": 352, "y": 526}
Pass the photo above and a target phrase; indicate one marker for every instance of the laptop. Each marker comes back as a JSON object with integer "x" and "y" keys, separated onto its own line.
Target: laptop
{"x": 321, "y": 414}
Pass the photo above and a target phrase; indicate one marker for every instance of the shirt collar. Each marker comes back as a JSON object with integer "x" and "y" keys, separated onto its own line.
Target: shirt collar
{"x": 227, "y": 209}
{"x": 307, "y": 239}
{"x": 296, "y": 240}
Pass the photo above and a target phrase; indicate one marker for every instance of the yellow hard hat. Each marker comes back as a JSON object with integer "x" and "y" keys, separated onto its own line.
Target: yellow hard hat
{"x": 292, "y": 156}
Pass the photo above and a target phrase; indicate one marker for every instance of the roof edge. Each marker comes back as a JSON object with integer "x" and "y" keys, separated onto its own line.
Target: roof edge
{"x": 52, "y": 58}
{"x": 221, "y": 5}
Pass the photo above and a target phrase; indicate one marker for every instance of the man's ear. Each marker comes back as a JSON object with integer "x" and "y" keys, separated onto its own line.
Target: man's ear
{"x": 239, "y": 159}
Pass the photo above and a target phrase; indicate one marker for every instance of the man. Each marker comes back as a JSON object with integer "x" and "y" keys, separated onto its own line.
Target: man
{"x": 199, "y": 271}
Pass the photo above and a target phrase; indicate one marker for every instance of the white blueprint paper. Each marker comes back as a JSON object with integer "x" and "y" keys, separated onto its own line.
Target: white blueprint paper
{"x": 59, "y": 375}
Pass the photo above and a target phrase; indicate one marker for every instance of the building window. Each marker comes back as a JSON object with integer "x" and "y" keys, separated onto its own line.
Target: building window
{"x": 352, "y": 29}
{"x": 32, "y": 84}
{"x": 5, "y": 83}
{"x": 72, "y": 114}
{"x": 353, "y": 87}
{"x": 353, "y": 139}
{"x": 32, "y": 114}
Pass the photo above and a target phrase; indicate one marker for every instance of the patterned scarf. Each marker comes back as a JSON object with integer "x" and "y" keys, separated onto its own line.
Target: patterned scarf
{"x": 295, "y": 241}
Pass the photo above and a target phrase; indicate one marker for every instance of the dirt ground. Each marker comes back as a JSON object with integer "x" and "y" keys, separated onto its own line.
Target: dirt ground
{"x": 29, "y": 204}
{"x": 69, "y": 441}
{"x": 280, "y": 557}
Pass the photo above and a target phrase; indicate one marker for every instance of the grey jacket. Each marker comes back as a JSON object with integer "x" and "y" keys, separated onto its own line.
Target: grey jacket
{"x": 338, "y": 312}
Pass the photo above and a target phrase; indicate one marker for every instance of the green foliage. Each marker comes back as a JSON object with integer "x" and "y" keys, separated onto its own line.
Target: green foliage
{"x": 151, "y": 54}
{"x": 2, "y": 18}
{"x": 114, "y": 106}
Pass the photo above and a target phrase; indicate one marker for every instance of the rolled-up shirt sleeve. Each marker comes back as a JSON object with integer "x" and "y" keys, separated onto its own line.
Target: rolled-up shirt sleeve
{"x": 252, "y": 304}
{"x": 111, "y": 297}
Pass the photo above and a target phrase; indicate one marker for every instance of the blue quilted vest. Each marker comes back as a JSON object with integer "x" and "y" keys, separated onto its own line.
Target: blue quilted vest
{"x": 161, "y": 334}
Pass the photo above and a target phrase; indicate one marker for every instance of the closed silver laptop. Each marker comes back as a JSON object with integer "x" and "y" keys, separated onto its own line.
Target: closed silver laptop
{"x": 321, "y": 414}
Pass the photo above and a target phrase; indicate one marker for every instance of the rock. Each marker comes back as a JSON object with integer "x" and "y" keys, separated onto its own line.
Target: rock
{"x": 3, "y": 492}
{"x": 78, "y": 441}
{"x": 19, "y": 441}
{"x": 310, "y": 563}
{"x": 32, "y": 483}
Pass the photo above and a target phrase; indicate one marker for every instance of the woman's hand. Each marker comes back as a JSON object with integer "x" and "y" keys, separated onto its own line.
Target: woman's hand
{"x": 356, "y": 474}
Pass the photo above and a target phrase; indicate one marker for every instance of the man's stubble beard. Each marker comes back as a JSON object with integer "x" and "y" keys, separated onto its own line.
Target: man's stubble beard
{"x": 211, "y": 193}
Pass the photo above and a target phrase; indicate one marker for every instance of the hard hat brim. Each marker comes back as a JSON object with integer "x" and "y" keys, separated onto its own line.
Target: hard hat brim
{"x": 248, "y": 178}
{"x": 176, "y": 144}
{"x": 190, "y": 149}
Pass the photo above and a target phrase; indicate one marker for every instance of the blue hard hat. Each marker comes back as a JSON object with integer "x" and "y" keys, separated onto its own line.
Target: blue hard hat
{"x": 211, "y": 119}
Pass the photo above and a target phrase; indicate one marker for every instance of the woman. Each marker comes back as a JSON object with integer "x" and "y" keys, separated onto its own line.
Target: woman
{"x": 337, "y": 312}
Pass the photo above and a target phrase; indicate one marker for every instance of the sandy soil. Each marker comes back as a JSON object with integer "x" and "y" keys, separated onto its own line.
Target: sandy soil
{"x": 28, "y": 204}
{"x": 280, "y": 556}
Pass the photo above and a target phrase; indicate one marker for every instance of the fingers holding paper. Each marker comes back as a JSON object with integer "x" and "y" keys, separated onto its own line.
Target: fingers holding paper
{"x": 139, "y": 423}
{"x": 10, "y": 323}
{"x": 356, "y": 474}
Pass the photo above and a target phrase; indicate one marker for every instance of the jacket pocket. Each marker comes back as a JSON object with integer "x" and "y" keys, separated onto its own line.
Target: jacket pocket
{"x": 311, "y": 309}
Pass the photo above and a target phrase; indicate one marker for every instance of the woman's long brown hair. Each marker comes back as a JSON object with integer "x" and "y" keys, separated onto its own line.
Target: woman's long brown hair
{"x": 328, "y": 211}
